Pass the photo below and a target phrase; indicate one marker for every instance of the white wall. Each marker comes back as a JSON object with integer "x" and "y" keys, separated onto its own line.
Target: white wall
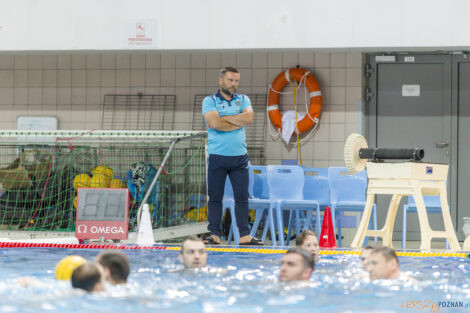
{"x": 27, "y": 25}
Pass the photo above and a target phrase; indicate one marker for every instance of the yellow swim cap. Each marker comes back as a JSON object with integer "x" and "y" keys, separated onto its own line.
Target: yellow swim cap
{"x": 67, "y": 265}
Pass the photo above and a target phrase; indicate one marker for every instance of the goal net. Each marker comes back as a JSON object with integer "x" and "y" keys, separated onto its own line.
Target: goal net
{"x": 40, "y": 172}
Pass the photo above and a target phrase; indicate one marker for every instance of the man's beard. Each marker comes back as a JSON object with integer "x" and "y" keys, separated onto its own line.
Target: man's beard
{"x": 228, "y": 91}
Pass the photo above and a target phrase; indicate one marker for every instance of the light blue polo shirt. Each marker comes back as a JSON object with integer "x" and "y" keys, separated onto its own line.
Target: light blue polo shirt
{"x": 228, "y": 143}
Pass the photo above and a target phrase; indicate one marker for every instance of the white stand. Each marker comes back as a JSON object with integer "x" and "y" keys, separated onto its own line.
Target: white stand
{"x": 145, "y": 233}
{"x": 406, "y": 179}
{"x": 466, "y": 244}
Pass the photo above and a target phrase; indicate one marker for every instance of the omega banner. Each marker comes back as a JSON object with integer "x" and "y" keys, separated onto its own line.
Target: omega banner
{"x": 102, "y": 212}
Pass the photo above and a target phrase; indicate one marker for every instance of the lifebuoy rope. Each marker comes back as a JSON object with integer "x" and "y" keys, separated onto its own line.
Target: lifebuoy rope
{"x": 294, "y": 91}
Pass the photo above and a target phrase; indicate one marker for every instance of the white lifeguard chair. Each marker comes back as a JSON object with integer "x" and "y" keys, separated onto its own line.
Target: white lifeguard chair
{"x": 400, "y": 179}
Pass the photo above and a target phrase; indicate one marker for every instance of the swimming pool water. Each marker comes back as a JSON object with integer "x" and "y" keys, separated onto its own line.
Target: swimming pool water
{"x": 232, "y": 282}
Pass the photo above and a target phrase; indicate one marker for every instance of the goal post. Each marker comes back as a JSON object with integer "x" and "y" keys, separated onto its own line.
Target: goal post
{"x": 40, "y": 172}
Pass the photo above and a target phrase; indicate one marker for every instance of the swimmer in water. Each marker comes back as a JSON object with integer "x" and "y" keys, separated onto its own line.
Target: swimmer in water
{"x": 307, "y": 240}
{"x": 88, "y": 277}
{"x": 296, "y": 265}
{"x": 193, "y": 253}
{"x": 116, "y": 266}
{"x": 383, "y": 264}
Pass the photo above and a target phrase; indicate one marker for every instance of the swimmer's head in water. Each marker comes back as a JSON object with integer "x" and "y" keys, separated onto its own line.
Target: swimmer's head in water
{"x": 307, "y": 240}
{"x": 67, "y": 265}
{"x": 116, "y": 266}
{"x": 383, "y": 264}
{"x": 193, "y": 253}
{"x": 89, "y": 277}
{"x": 296, "y": 264}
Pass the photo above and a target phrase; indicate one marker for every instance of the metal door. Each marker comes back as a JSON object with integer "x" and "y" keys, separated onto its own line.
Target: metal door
{"x": 409, "y": 106}
{"x": 461, "y": 94}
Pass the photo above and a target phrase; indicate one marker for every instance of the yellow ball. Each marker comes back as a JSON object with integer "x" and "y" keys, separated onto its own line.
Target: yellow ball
{"x": 193, "y": 214}
{"x": 117, "y": 183}
{"x": 67, "y": 265}
{"x": 252, "y": 214}
{"x": 98, "y": 181}
{"x": 103, "y": 170}
{"x": 75, "y": 202}
{"x": 81, "y": 181}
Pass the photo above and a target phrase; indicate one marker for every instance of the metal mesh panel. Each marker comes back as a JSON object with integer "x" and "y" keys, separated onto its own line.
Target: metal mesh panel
{"x": 257, "y": 155}
{"x": 138, "y": 112}
{"x": 255, "y": 133}
{"x": 198, "y": 120}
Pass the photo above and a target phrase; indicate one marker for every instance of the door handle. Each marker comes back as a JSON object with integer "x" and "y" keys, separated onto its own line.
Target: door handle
{"x": 442, "y": 144}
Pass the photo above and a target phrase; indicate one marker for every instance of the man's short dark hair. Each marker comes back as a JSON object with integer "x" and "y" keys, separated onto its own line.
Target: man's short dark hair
{"x": 117, "y": 263}
{"x": 303, "y": 235}
{"x": 388, "y": 253}
{"x": 86, "y": 276}
{"x": 307, "y": 258}
{"x": 190, "y": 238}
{"x": 227, "y": 69}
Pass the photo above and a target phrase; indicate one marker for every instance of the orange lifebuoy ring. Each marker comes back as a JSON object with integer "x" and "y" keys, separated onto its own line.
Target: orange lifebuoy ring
{"x": 278, "y": 84}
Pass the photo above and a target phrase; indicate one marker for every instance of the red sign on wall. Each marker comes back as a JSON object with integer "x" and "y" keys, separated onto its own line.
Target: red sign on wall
{"x": 102, "y": 212}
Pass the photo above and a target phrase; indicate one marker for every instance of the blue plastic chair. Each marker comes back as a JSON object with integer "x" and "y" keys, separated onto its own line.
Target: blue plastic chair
{"x": 257, "y": 188}
{"x": 433, "y": 205}
{"x": 316, "y": 187}
{"x": 258, "y": 185}
{"x": 347, "y": 194}
{"x": 286, "y": 184}
{"x": 259, "y": 201}
{"x": 228, "y": 203}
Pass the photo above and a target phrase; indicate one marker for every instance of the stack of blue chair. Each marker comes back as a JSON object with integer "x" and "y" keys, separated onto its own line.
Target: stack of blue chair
{"x": 347, "y": 194}
{"x": 275, "y": 189}
{"x": 316, "y": 187}
{"x": 286, "y": 185}
{"x": 260, "y": 202}
{"x": 228, "y": 203}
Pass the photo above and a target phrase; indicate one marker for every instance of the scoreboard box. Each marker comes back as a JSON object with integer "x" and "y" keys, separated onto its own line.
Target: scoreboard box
{"x": 102, "y": 212}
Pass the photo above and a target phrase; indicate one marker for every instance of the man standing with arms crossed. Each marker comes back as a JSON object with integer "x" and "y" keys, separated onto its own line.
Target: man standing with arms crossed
{"x": 226, "y": 114}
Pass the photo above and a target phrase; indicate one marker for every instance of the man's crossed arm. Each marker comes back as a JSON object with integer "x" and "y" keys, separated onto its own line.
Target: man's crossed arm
{"x": 229, "y": 122}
